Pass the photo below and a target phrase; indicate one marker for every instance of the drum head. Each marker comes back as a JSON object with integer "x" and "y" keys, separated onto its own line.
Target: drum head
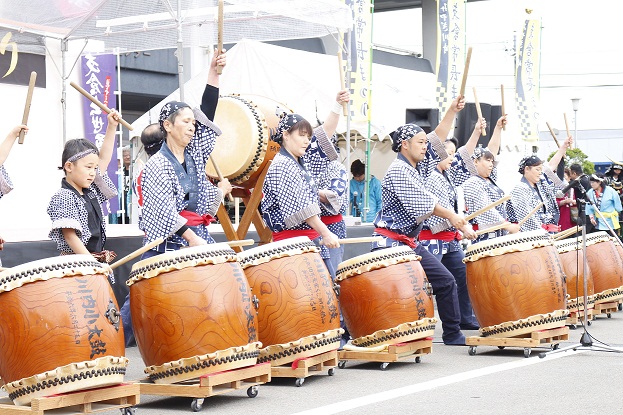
{"x": 265, "y": 253}
{"x": 521, "y": 241}
{"x": 374, "y": 260}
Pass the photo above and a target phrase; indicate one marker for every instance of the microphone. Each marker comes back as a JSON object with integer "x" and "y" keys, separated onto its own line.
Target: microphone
{"x": 355, "y": 194}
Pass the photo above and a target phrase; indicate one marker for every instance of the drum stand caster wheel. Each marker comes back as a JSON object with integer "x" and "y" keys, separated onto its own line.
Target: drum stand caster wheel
{"x": 299, "y": 382}
{"x": 471, "y": 351}
{"x": 196, "y": 404}
{"x": 341, "y": 364}
{"x": 501, "y": 347}
{"x": 252, "y": 391}
{"x": 128, "y": 411}
{"x": 331, "y": 371}
{"x": 526, "y": 352}
{"x": 384, "y": 365}
{"x": 418, "y": 359}
{"x": 589, "y": 322}
{"x": 609, "y": 315}
{"x": 620, "y": 306}
{"x": 573, "y": 326}
{"x": 555, "y": 346}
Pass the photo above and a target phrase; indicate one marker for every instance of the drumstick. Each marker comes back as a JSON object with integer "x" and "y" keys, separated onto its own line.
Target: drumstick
{"x": 551, "y": 131}
{"x": 136, "y": 253}
{"x": 241, "y": 242}
{"x": 565, "y": 233}
{"x": 532, "y": 212}
{"x": 220, "y": 176}
{"x": 31, "y": 87}
{"x": 342, "y": 85}
{"x": 567, "y": 125}
{"x": 219, "y": 68}
{"x": 99, "y": 104}
{"x": 488, "y": 207}
{"x": 478, "y": 111}
{"x": 465, "y": 70}
{"x": 363, "y": 239}
{"x": 503, "y": 110}
{"x": 493, "y": 228}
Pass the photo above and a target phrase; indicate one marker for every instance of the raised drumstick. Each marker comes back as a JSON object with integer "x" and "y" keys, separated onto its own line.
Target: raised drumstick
{"x": 220, "y": 176}
{"x": 478, "y": 111}
{"x": 567, "y": 125}
{"x": 31, "y": 87}
{"x": 551, "y": 131}
{"x": 503, "y": 108}
{"x": 219, "y": 68}
{"x": 488, "y": 207}
{"x": 342, "y": 85}
{"x": 136, "y": 253}
{"x": 465, "y": 70}
{"x": 99, "y": 104}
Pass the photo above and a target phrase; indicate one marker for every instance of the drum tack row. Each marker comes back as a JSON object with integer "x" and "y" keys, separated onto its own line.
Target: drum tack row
{"x": 209, "y": 321}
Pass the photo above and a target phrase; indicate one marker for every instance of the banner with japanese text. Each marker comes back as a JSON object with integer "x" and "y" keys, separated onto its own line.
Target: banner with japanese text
{"x": 527, "y": 78}
{"x": 450, "y": 51}
{"x": 99, "y": 78}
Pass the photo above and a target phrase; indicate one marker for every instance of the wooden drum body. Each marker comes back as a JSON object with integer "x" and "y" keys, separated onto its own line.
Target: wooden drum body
{"x": 385, "y": 297}
{"x": 60, "y": 329}
{"x": 192, "y": 313}
{"x": 572, "y": 260}
{"x": 516, "y": 284}
{"x": 245, "y": 147}
{"x": 298, "y": 310}
{"x": 606, "y": 267}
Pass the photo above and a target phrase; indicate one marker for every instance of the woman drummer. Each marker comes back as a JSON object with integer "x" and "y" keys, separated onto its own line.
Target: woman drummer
{"x": 481, "y": 189}
{"x": 539, "y": 184}
{"x": 290, "y": 205}
{"x": 605, "y": 199}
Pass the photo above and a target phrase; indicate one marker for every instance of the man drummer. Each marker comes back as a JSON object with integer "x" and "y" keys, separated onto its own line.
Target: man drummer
{"x": 406, "y": 204}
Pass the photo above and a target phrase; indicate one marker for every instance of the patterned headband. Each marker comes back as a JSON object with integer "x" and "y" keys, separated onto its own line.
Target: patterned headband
{"x": 404, "y": 133}
{"x": 202, "y": 122}
{"x": 529, "y": 161}
{"x": 480, "y": 151}
{"x": 286, "y": 122}
{"x": 80, "y": 155}
{"x": 168, "y": 109}
{"x": 595, "y": 178}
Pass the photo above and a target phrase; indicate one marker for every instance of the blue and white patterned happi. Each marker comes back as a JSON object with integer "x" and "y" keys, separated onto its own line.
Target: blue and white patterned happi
{"x": 333, "y": 180}
{"x": 5, "y": 182}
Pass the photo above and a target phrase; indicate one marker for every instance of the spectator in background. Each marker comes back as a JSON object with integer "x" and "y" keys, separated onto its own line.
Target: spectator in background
{"x": 357, "y": 192}
{"x": 565, "y": 203}
{"x": 576, "y": 172}
{"x": 606, "y": 200}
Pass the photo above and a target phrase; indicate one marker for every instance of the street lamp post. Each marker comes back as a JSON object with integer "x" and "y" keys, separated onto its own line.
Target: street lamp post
{"x": 575, "y": 102}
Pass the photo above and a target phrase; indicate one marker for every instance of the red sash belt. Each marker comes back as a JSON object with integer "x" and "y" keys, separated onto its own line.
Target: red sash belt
{"x": 407, "y": 240}
{"x": 328, "y": 220}
{"x": 195, "y": 219}
{"x": 551, "y": 228}
{"x": 446, "y": 236}
{"x": 310, "y": 233}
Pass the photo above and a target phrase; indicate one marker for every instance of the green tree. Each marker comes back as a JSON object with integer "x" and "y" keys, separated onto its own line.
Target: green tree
{"x": 575, "y": 155}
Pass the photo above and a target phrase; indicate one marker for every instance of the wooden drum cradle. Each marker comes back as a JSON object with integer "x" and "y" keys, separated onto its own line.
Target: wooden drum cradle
{"x": 572, "y": 260}
{"x": 192, "y": 313}
{"x": 385, "y": 297}
{"x": 516, "y": 284}
{"x": 244, "y": 147}
{"x": 298, "y": 309}
{"x": 60, "y": 329}
{"x": 606, "y": 267}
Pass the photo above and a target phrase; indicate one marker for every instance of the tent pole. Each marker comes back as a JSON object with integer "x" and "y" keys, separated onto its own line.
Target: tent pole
{"x": 348, "y": 147}
{"x": 64, "y": 87}
{"x": 180, "y": 50}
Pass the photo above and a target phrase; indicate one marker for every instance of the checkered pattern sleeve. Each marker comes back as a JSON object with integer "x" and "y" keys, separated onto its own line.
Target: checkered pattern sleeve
{"x": 552, "y": 178}
{"x": 524, "y": 200}
{"x": 438, "y": 186}
{"x": 435, "y": 152}
{"x": 103, "y": 187}
{"x": 319, "y": 153}
{"x": 5, "y": 182}
{"x": 67, "y": 211}
{"x": 477, "y": 197}
{"x": 163, "y": 199}
{"x": 548, "y": 189}
{"x": 462, "y": 167}
{"x": 202, "y": 143}
{"x": 334, "y": 183}
{"x": 288, "y": 198}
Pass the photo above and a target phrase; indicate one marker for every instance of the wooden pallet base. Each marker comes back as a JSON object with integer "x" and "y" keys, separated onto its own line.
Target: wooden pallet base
{"x": 606, "y": 308}
{"x": 394, "y": 353}
{"x": 89, "y": 401}
{"x": 308, "y": 366}
{"x": 576, "y": 318}
{"x": 551, "y": 337}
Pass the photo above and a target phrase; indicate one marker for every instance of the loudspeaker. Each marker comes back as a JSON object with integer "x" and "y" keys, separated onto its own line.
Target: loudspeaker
{"x": 467, "y": 120}
{"x": 426, "y": 118}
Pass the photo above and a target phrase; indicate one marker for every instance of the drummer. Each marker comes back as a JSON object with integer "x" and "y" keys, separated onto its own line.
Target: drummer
{"x": 5, "y": 181}
{"x": 438, "y": 236}
{"x": 406, "y": 204}
{"x": 539, "y": 184}
{"x": 481, "y": 189}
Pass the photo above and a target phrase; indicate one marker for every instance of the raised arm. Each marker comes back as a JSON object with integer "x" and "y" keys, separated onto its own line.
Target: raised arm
{"x": 7, "y": 144}
{"x": 562, "y": 150}
{"x": 496, "y": 137}
{"x": 444, "y": 127}
{"x": 471, "y": 144}
{"x": 108, "y": 145}
{"x": 209, "y": 100}
{"x": 330, "y": 123}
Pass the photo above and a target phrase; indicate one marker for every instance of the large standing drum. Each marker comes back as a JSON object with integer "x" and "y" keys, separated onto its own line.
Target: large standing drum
{"x": 385, "y": 297}
{"x": 516, "y": 284}
{"x": 606, "y": 267}
{"x": 60, "y": 329}
{"x": 242, "y": 150}
{"x": 298, "y": 310}
{"x": 192, "y": 313}
{"x": 572, "y": 260}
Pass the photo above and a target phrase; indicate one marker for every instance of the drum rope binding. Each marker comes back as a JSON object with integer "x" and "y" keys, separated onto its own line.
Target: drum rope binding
{"x": 395, "y": 335}
{"x": 489, "y": 331}
{"x": 42, "y": 270}
{"x": 538, "y": 239}
{"x": 247, "y": 261}
{"x": 407, "y": 256}
{"x": 262, "y": 144}
{"x": 300, "y": 349}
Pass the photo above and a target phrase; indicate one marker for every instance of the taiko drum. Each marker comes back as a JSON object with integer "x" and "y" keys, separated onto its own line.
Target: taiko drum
{"x": 192, "y": 313}
{"x": 296, "y": 299}
{"x": 516, "y": 277}
{"x": 572, "y": 261}
{"x": 60, "y": 328}
{"x": 380, "y": 292}
{"x": 606, "y": 267}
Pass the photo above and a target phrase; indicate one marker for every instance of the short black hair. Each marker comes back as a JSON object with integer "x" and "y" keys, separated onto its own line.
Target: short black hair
{"x": 75, "y": 146}
{"x": 454, "y": 141}
{"x": 357, "y": 168}
{"x": 152, "y": 138}
{"x": 577, "y": 169}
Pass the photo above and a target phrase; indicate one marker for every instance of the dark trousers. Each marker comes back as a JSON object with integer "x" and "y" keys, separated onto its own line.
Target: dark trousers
{"x": 444, "y": 289}
{"x": 453, "y": 261}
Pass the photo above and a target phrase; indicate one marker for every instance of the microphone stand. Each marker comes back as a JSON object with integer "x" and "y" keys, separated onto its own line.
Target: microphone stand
{"x": 586, "y": 341}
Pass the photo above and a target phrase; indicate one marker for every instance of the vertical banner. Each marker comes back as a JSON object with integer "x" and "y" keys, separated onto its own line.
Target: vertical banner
{"x": 450, "y": 51}
{"x": 528, "y": 80}
{"x": 99, "y": 78}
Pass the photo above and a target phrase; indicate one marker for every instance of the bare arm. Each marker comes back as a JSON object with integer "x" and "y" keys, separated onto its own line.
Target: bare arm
{"x": 444, "y": 127}
{"x": 76, "y": 245}
{"x": 471, "y": 144}
{"x": 456, "y": 220}
{"x": 562, "y": 150}
{"x": 217, "y": 60}
{"x": 496, "y": 137}
{"x": 330, "y": 123}
{"x": 328, "y": 238}
{"x": 7, "y": 144}
{"x": 108, "y": 145}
